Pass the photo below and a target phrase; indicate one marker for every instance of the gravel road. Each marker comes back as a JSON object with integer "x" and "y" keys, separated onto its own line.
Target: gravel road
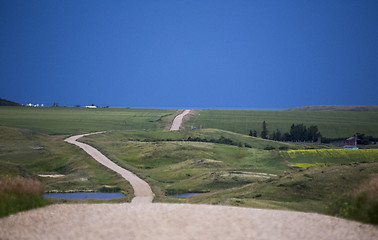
{"x": 176, "y": 221}
{"x": 178, "y": 120}
{"x": 142, "y": 190}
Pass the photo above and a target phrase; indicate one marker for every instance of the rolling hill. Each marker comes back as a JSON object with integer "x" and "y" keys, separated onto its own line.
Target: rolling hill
{"x": 336, "y": 108}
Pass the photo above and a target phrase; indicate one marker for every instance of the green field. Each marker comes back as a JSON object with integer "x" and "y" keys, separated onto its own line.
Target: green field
{"x": 173, "y": 167}
{"x": 62, "y": 120}
{"x": 238, "y": 176}
{"x": 331, "y": 124}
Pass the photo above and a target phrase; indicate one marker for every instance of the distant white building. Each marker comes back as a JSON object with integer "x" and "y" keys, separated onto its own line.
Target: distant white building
{"x": 91, "y": 106}
{"x": 34, "y": 105}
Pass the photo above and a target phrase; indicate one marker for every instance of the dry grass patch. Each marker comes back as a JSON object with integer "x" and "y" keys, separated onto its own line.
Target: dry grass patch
{"x": 19, "y": 194}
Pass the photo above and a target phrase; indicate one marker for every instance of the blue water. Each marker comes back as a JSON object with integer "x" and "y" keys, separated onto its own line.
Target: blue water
{"x": 84, "y": 195}
{"x": 188, "y": 194}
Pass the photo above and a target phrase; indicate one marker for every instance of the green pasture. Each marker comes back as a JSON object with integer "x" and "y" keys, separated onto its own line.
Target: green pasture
{"x": 309, "y": 190}
{"x": 209, "y": 135}
{"x": 28, "y": 154}
{"x": 331, "y": 124}
{"x": 173, "y": 167}
{"x": 65, "y": 120}
{"x": 238, "y": 176}
{"x": 318, "y": 157}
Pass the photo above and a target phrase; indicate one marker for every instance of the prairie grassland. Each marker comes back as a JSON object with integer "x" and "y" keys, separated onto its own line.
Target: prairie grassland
{"x": 238, "y": 176}
{"x": 319, "y": 157}
{"x": 311, "y": 190}
{"x": 62, "y": 120}
{"x": 173, "y": 167}
{"x": 28, "y": 154}
{"x": 360, "y": 205}
{"x": 208, "y": 135}
{"x": 332, "y": 124}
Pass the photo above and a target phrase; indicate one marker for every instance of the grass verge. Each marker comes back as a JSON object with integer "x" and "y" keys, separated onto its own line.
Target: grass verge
{"x": 60, "y": 166}
{"x": 20, "y": 194}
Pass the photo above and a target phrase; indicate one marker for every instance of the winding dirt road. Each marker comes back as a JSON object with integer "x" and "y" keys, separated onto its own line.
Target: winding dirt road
{"x": 171, "y": 221}
{"x": 142, "y": 190}
{"x": 178, "y": 120}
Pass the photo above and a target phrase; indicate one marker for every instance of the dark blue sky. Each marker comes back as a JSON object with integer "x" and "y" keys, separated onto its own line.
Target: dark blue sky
{"x": 181, "y": 54}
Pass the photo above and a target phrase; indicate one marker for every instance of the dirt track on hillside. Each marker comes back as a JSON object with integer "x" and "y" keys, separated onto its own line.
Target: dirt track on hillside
{"x": 178, "y": 120}
{"x": 142, "y": 190}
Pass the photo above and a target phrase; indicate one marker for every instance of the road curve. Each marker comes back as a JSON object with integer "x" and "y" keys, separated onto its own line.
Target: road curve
{"x": 142, "y": 190}
{"x": 176, "y": 124}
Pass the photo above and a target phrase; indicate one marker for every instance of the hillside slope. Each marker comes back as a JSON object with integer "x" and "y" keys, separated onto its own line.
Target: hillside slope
{"x": 4, "y": 102}
{"x": 336, "y": 108}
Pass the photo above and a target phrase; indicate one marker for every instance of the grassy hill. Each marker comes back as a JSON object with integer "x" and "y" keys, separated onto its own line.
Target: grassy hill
{"x": 331, "y": 124}
{"x": 319, "y": 189}
{"x": 336, "y": 108}
{"x": 28, "y": 154}
{"x": 4, "y": 102}
{"x": 240, "y": 176}
{"x": 173, "y": 167}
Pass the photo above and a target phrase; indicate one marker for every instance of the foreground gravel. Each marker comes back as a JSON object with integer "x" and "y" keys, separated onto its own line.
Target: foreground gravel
{"x": 176, "y": 221}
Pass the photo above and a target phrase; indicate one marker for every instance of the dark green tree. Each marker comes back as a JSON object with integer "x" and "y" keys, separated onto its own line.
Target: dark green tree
{"x": 312, "y": 133}
{"x": 286, "y": 137}
{"x": 264, "y": 132}
{"x": 276, "y": 135}
{"x": 298, "y": 132}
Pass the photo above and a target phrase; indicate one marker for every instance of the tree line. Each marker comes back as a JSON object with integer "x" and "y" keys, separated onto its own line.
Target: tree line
{"x": 298, "y": 133}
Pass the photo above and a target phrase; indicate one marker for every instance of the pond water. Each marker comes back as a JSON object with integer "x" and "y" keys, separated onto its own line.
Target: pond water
{"x": 188, "y": 194}
{"x": 84, "y": 195}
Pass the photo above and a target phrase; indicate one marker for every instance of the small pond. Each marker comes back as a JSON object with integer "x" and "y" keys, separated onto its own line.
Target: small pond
{"x": 84, "y": 195}
{"x": 187, "y": 195}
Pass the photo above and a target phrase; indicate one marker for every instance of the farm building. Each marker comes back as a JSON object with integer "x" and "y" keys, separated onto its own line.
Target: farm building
{"x": 91, "y": 106}
{"x": 351, "y": 141}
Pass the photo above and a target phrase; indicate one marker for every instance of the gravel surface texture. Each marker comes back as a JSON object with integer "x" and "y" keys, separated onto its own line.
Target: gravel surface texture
{"x": 176, "y": 221}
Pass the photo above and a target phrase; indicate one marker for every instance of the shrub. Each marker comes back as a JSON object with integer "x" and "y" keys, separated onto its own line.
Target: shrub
{"x": 361, "y": 205}
{"x": 269, "y": 148}
{"x": 19, "y": 194}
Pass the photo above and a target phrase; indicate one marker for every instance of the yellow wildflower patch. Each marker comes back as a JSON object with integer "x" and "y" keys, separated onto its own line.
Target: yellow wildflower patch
{"x": 318, "y": 157}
